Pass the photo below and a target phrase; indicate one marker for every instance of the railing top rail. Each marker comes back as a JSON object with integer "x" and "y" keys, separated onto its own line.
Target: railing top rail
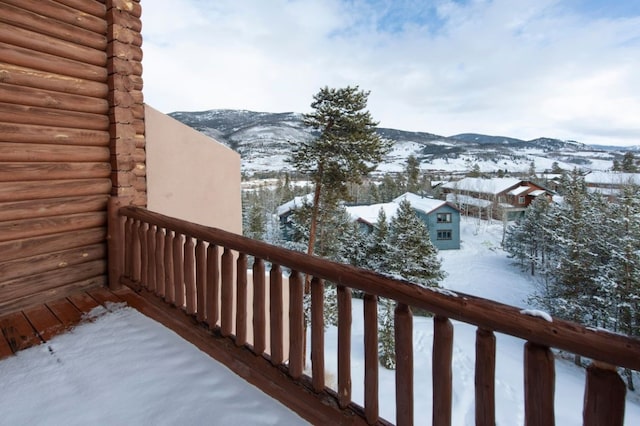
{"x": 601, "y": 345}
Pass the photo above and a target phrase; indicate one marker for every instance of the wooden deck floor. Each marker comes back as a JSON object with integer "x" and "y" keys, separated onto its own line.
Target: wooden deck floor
{"x": 35, "y": 325}
{"x": 38, "y": 324}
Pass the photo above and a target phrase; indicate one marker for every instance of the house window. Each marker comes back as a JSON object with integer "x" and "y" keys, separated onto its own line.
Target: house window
{"x": 443, "y": 217}
{"x": 521, "y": 199}
{"x": 444, "y": 234}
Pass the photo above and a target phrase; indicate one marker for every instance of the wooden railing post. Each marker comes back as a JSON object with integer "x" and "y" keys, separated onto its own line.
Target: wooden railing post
{"x": 201, "y": 278}
{"x": 296, "y": 325}
{"x": 317, "y": 333}
{"x": 442, "y": 370}
{"x": 169, "y": 286}
{"x": 344, "y": 346}
{"x": 226, "y": 293}
{"x": 371, "y": 409}
{"x": 403, "y": 334}
{"x": 275, "y": 316}
{"x": 539, "y": 385}
{"x": 604, "y": 396}
{"x": 259, "y": 308}
{"x": 190, "y": 275}
{"x": 160, "y": 264}
{"x": 135, "y": 252}
{"x": 241, "y": 300}
{"x": 213, "y": 285}
{"x": 485, "y": 377}
{"x": 151, "y": 258}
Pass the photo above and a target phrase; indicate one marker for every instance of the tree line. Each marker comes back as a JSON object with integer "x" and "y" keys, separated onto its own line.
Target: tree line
{"x": 585, "y": 252}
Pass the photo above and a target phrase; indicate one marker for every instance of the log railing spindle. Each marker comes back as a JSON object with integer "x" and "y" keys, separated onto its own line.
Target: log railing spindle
{"x": 371, "y": 409}
{"x": 296, "y": 325}
{"x": 241, "y": 300}
{"x": 144, "y": 255}
{"x": 604, "y": 396}
{"x": 442, "y": 372}
{"x": 403, "y": 333}
{"x": 178, "y": 270}
{"x": 201, "y": 278}
{"x": 128, "y": 244}
{"x": 169, "y": 286}
{"x": 539, "y": 385}
{"x": 135, "y": 252}
{"x": 160, "y": 265}
{"x": 151, "y": 258}
{"x": 344, "y": 346}
{"x": 275, "y": 314}
{"x": 213, "y": 281}
{"x": 259, "y": 308}
{"x": 317, "y": 333}
{"x": 485, "y": 377}
{"x": 190, "y": 275}
{"x": 226, "y": 300}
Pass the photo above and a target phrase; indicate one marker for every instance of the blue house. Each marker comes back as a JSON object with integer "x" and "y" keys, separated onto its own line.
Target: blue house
{"x": 442, "y": 218}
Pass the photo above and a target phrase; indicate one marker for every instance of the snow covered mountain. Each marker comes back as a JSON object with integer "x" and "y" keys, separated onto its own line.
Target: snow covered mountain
{"x": 264, "y": 141}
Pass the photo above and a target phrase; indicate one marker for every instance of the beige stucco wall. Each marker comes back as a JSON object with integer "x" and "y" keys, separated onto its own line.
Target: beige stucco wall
{"x": 191, "y": 176}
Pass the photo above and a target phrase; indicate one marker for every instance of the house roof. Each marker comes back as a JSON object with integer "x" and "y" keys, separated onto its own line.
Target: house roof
{"x": 612, "y": 178}
{"x": 369, "y": 213}
{"x": 296, "y": 202}
{"x": 519, "y": 190}
{"x": 418, "y": 202}
{"x": 484, "y": 186}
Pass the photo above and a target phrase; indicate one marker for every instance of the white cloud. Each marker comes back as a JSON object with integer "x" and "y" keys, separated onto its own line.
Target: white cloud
{"x": 524, "y": 69}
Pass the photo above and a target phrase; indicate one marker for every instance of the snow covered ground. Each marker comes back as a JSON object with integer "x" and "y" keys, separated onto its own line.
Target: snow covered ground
{"x": 123, "y": 368}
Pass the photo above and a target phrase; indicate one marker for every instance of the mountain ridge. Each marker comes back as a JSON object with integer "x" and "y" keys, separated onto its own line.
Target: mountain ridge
{"x": 264, "y": 140}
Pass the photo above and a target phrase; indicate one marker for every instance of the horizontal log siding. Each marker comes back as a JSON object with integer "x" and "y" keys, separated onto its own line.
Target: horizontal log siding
{"x": 55, "y": 157}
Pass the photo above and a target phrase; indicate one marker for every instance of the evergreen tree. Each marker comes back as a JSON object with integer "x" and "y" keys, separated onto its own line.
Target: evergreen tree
{"x": 386, "y": 339}
{"x": 346, "y": 149}
{"x": 412, "y": 171}
{"x": 412, "y": 256}
{"x": 629, "y": 163}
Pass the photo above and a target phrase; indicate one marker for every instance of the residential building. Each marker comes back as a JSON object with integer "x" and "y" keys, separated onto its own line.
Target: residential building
{"x": 609, "y": 184}
{"x": 498, "y": 198}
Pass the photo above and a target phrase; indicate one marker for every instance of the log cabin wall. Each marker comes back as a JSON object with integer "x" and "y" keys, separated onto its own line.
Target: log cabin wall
{"x": 71, "y": 135}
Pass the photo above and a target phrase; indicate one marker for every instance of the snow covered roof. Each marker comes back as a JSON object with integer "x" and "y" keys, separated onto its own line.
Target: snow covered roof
{"x": 296, "y": 202}
{"x": 519, "y": 190}
{"x": 468, "y": 200}
{"x": 369, "y": 213}
{"x": 484, "y": 186}
{"x": 612, "y": 178}
{"x": 418, "y": 202}
{"x": 537, "y": 192}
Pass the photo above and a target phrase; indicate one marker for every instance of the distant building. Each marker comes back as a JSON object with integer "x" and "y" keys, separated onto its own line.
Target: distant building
{"x": 498, "y": 198}
{"x": 609, "y": 184}
{"x": 441, "y": 218}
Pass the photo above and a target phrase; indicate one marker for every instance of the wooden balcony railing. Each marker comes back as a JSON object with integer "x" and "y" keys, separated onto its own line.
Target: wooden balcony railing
{"x": 204, "y": 271}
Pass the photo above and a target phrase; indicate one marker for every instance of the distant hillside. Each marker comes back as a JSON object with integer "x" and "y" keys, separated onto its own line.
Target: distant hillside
{"x": 264, "y": 141}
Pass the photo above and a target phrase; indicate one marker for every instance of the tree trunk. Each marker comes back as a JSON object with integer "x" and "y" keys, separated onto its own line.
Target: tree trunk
{"x": 314, "y": 222}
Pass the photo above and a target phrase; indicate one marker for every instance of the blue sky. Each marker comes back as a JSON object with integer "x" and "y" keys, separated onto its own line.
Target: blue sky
{"x": 523, "y": 68}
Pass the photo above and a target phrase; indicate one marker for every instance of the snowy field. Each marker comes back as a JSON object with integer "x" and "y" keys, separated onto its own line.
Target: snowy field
{"x": 123, "y": 368}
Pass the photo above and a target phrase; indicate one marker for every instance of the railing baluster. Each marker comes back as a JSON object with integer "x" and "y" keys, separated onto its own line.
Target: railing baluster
{"x": 151, "y": 258}
{"x": 296, "y": 325}
{"x": 403, "y": 333}
{"x": 276, "y": 313}
{"x": 190, "y": 275}
{"x": 317, "y": 333}
{"x": 344, "y": 346}
{"x": 135, "y": 252}
{"x": 539, "y": 385}
{"x": 128, "y": 244}
{"x": 160, "y": 265}
{"x": 604, "y": 396}
{"x": 442, "y": 374}
{"x": 226, "y": 300}
{"x": 178, "y": 270}
{"x": 201, "y": 277}
{"x": 213, "y": 280}
{"x": 259, "y": 308}
{"x": 144, "y": 255}
{"x": 241, "y": 300}
{"x": 169, "y": 286}
{"x": 485, "y": 377}
{"x": 371, "y": 409}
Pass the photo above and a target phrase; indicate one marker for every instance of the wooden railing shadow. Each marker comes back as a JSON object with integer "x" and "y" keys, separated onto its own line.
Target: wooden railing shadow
{"x": 203, "y": 271}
